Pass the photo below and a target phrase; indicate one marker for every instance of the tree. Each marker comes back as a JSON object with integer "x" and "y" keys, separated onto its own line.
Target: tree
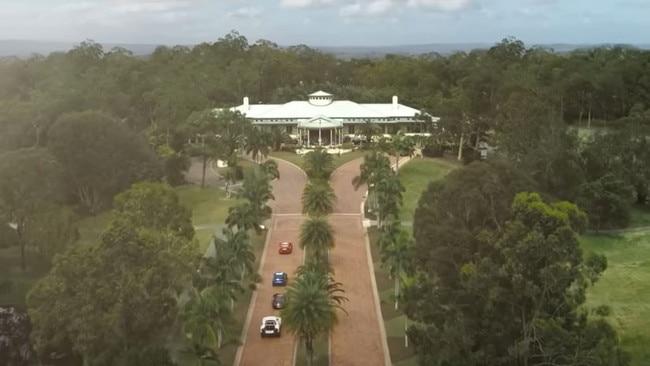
{"x": 154, "y": 206}
{"x": 369, "y": 130}
{"x": 318, "y": 198}
{"x": 247, "y": 216}
{"x": 270, "y": 168}
{"x": 101, "y": 157}
{"x": 106, "y": 310}
{"x": 312, "y": 303}
{"x": 317, "y": 236}
{"x": 526, "y": 281}
{"x": 257, "y": 144}
{"x": 395, "y": 244}
{"x": 207, "y": 318}
{"x": 238, "y": 246}
{"x": 206, "y": 143}
{"x": 51, "y": 230}
{"x": 318, "y": 164}
{"x": 31, "y": 181}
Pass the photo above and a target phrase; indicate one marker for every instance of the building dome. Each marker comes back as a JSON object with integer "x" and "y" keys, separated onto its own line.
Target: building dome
{"x": 320, "y": 98}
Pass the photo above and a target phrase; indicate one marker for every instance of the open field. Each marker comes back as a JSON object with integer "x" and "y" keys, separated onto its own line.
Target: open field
{"x": 625, "y": 288}
{"x": 416, "y": 175}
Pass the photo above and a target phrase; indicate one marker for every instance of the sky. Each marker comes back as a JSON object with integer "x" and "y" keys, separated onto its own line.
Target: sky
{"x": 328, "y": 22}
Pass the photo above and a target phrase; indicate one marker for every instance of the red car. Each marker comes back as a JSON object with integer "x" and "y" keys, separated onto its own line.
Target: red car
{"x": 285, "y": 247}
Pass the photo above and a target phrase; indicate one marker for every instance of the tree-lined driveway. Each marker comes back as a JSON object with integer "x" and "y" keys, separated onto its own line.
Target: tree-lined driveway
{"x": 284, "y": 226}
{"x": 358, "y": 339}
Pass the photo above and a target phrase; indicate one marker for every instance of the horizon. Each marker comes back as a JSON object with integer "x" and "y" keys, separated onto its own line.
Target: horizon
{"x": 328, "y": 23}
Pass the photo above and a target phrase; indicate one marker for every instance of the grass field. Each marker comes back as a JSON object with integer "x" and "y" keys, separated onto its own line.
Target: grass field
{"x": 338, "y": 161}
{"x": 625, "y": 288}
{"x": 416, "y": 175}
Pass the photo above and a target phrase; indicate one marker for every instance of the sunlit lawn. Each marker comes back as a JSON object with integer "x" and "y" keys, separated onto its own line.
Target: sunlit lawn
{"x": 625, "y": 288}
{"x": 416, "y": 175}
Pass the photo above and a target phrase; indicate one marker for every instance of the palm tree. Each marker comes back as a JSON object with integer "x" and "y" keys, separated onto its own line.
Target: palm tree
{"x": 388, "y": 191}
{"x": 257, "y": 144}
{"x": 317, "y": 235}
{"x": 207, "y": 317}
{"x": 373, "y": 162}
{"x": 278, "y": 136}
{"x": 395, "y": 243}
{"x": 318, "y": 198}
{"x": 270, "y": 168}
{"x": 248, "y": 216}
{"x": 218, "y": 273}
{"x": 400, "y": 144}
{"x": 318, "y": 164}
{"x": 312, "y": 303}
{"x": 257, "y": 187}
{"x": 369, "y": 130}
{"x": 237, "y": 243}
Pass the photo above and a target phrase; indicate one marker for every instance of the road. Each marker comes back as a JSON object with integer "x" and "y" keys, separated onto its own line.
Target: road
{"x": 284, "y": 226}
{"x": 358, "y": 339}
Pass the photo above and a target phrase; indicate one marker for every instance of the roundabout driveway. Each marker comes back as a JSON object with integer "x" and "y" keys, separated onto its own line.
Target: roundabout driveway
{"x": 284, "y": 226}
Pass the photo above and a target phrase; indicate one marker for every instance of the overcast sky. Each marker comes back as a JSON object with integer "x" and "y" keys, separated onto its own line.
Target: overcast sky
{"x": 328, "y": 22}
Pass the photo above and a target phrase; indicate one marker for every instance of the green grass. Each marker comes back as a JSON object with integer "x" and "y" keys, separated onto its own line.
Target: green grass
{"x": 416, "y": 175}
{"x": 639, "y": 216}
{"x": 228, "y": 352}
{"x": 338, "y": 161}
{"x": 208, "y": 205}
{"x": 246, "y": 165}
{"x": 393, "y": 319}
{"x": 625, "y": 288}
{"x": 321, "y": 352}
{"x": 288, "y": 156}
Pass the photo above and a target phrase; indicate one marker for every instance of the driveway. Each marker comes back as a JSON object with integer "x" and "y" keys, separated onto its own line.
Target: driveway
{"x": 358, "y": 339}
{"x": 284, "y": 226}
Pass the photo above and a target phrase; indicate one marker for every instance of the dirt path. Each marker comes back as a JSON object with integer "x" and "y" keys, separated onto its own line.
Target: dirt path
{"x": 358, "y": 339}
{"x": 284, "y": 226}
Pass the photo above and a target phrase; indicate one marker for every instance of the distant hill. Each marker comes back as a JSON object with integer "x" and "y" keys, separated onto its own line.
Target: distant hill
{"x": 26, "y": 48}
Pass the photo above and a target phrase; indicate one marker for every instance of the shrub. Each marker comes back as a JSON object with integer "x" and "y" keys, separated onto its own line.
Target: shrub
{"x": 433, "y": 151}
{"x": 347, "y": 146}
{"x": 289, "y": 147}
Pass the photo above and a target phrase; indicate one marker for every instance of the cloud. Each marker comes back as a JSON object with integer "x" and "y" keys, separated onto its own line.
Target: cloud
{"x": 303, "y": 4}
{"x": 374, "y": 8}
{"x": 443, "y": 6}
{"x": 247, "y": 12}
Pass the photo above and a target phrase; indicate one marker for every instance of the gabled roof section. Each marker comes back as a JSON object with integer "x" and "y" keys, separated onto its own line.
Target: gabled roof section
{"x": 320, "y": 122}
{"x": 320, "y": 93}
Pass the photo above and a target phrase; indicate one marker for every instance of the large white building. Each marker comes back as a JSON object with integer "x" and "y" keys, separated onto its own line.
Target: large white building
{"x": 321, "y": 120}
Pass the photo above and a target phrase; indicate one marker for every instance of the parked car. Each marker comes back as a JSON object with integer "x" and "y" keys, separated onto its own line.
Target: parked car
{"x": 270, "y": 326}
{"x": 279, "y": 301}
{"x": 285, "y": 247}
{"x": 280, "y": 279}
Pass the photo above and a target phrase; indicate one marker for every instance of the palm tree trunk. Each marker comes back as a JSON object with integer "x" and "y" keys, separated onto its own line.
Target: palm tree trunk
{"x": 460, "y": 148}
{"x": 205, "y": 164}
{"x": 219, "y": 338}
{"x": 310, "y": 351}
{"x": 396, "y": 290}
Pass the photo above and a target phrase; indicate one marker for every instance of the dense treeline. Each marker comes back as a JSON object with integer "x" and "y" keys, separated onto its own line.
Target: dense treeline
{"x": 77, "y": 128}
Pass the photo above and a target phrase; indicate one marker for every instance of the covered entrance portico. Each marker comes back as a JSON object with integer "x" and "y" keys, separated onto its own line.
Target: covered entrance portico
{"x": 320, "y": 131}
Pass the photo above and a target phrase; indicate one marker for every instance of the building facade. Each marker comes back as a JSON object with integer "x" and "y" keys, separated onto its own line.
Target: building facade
{"x": 322, "y": 120}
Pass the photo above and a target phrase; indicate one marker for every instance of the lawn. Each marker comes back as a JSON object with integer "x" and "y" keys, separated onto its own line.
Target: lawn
{"x": 338, "y": 160}
{"x": 246, "y": 165}
{"x": 639, "y": 217}
{"x": 393, "y": 319}
{"x": 625, "y": 288}
{"x": 416, "y": 175}
{"x": 209, "y": 210}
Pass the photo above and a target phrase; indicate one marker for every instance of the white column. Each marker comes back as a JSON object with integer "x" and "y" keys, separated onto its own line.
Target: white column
{"x": 307, "y": 137}
{"x": 331, "y": 138}
{"x": 319, "y": 137}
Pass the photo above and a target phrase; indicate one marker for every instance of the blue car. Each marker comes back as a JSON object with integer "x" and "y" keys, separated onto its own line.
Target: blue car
{"x": 280, "y": 279}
